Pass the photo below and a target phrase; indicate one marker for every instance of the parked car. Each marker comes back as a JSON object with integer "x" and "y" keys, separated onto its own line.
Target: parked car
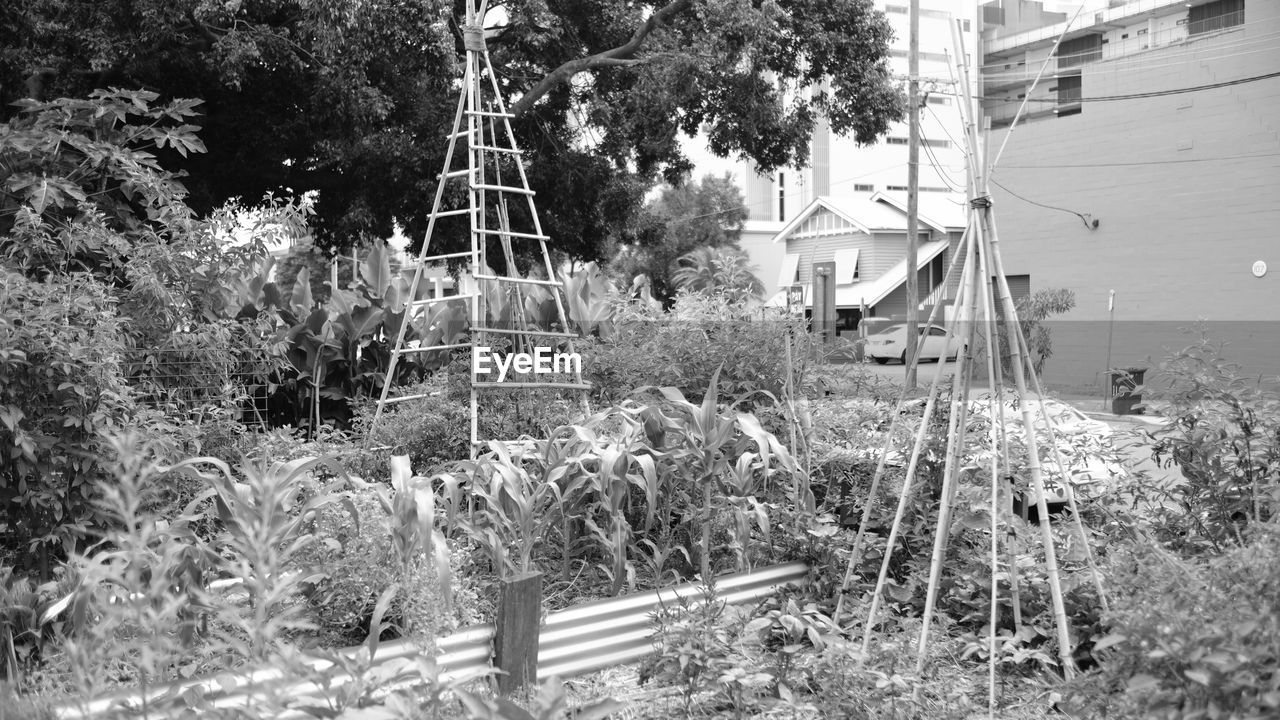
{"x": 891, "y": 344}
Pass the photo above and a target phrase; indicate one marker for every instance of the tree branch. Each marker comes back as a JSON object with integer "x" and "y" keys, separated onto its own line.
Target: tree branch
{"x": 621, "y": 56}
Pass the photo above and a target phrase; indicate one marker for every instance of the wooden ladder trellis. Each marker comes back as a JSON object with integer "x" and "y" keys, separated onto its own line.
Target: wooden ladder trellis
{"x": 484, "y": 125}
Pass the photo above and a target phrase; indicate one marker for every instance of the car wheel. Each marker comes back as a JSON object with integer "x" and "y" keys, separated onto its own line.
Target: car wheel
{"x": 880, "y": 360}
{"x": 904, "y": 357}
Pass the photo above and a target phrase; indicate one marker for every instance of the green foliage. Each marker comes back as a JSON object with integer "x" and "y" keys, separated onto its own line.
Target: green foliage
{"x": 349, "y": 99}
{"x": 717, "y": 270}
{"x": 354, "y": 563}
{"x": 1189, "y": 639}
{"x": 698, "y": 214}
{"x": 695, "y": 647}
{"x": 1224, "y": 436}
{"x": 1033, "y": 311}
{"x": 549, "y": 703}
{"x": 637, "y": 486}
{"x": 61, "y": 387}
{"x": 685, "y": 346}
{"x": 143, "y": 609}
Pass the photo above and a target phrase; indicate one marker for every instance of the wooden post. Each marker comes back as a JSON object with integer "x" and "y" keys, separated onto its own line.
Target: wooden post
{"x": 913, "y": 188}
{"x": 515, "y": 642}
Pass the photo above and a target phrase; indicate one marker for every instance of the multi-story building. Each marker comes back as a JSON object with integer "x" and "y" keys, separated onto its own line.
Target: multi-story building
{"x": 839, "y": 169}
{"x": 1147, "y": 163}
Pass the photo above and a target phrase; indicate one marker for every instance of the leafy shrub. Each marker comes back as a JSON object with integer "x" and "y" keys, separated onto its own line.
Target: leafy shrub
{"x": 1225, "y": 437}
{"x": 354, "y": 563}
{"x": 431, "y": 431}
{"x": 1189, "y": 640}
{"x": 1032, "y": 312}
{"x": 683, "y": 348}
{"x": 61, "y": 387}
{"x": 696, "y": 648}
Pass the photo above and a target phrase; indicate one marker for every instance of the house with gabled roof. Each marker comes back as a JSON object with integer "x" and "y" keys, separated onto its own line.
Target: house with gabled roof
{"x": 866, "y": 237}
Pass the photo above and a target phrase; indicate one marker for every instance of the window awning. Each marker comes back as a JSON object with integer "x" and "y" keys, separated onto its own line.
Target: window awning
{"x": 787, "y": 275}
{"x": 846, "y": 266}
{"x": 871, "y": 293}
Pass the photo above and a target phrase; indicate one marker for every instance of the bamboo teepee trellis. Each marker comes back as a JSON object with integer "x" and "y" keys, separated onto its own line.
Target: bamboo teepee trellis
{"x": 978, "y": 259}
{"x": 483, "y": 123}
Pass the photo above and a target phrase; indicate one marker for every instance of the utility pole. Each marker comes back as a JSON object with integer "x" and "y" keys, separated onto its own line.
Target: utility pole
{"x": 913, "y": 189}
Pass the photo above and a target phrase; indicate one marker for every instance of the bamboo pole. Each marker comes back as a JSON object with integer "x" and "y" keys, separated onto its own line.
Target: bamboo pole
{"x": 956, "y": 435}
{"x": 903, "y": 497}
{"x": 878, "y": 476}
{"x": 994, "y": 432}
{"x": 475, "y": 199}
{"x": 1033, "y": 456}
{"x": 987, "y": 218}
{"x": 1071, "y": 496}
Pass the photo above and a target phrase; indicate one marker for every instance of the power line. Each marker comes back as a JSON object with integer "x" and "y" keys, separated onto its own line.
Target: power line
{"x": 1089, "y": 222}
{"x": 938, "y": 168}
{"x": 1153, "y": 93}
{"x": 1143, "y": 162}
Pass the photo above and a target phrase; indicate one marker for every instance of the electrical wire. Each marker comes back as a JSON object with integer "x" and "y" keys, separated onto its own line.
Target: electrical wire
{"x": 938, "y": 169}
{"x": 1142, "y": 162}
{"x": 1089, "y": 222}
{"x": 1157, "y": 93}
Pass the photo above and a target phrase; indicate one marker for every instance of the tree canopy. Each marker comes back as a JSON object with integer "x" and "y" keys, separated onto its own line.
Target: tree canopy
{"x": 352, "y": 99}
{"x": 707, "y": 213}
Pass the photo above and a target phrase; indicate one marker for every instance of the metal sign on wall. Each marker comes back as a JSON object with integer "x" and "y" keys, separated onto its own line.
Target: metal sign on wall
{"x": 795, "y": 299}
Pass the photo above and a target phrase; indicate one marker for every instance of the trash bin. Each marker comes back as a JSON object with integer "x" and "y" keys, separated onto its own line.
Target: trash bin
{"x": 1124, "y": 401}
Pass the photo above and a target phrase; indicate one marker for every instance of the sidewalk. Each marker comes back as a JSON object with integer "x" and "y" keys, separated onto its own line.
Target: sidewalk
{"x": 1130, "y": 439}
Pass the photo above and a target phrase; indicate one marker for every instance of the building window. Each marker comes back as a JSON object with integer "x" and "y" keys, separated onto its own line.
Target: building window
{"x": 1069, "y": 89}
{"x": 926, "y": 56}
{"x": 864, "y": 188}
{"x": 1218, "y": 15}
{"x": 1079, "y": 51}
{"x": 782, "y": 196}
{"x": 926, "y": 141}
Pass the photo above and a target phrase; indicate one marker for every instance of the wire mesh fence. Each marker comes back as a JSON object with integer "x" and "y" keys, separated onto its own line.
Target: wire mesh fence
{"x": 196, "y": 383}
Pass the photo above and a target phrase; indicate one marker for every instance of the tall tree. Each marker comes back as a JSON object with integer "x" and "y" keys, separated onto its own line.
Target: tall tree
{"x": 681, "y": 219}
{"x": 351, "y": 98}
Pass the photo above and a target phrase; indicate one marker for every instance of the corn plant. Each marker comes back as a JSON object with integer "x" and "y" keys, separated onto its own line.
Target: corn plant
{"x": 412, "y": 510}
{"x": 514, "y": 510}
{"x": 702, "y": 445}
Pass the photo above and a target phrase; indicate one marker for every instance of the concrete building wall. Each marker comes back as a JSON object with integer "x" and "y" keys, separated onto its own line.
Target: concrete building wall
{"x": 1186, "y": 191}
